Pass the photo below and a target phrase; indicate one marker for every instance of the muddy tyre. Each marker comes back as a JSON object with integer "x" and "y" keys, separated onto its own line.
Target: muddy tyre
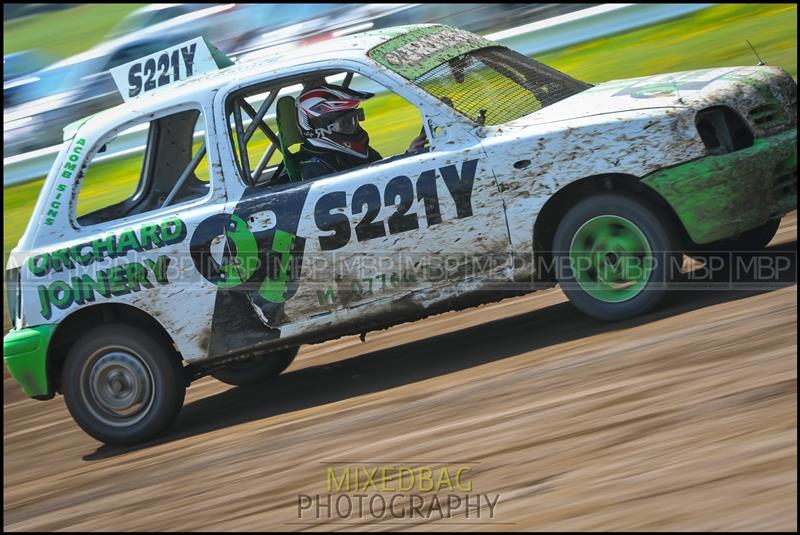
{"x": 614, "y": 256}
{"x": 121, "y": 385}
{"x": 259, "y": 370}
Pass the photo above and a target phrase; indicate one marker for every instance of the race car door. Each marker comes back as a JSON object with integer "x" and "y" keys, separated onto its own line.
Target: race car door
{"x": 430, "y": 220}
{"x": 341, "y": 242}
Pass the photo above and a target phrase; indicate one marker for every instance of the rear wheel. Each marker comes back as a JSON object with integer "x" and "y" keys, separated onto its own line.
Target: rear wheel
{"x": 614, "y": 255}
{"x": 121, "y": 385}
{"x": 263, "y": 368}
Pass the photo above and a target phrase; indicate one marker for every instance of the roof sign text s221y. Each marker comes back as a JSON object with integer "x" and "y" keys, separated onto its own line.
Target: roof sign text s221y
{"x": 168, "y": 66}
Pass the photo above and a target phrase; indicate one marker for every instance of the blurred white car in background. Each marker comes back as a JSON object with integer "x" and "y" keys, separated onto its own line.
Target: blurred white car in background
{"x": 39, "y": 105}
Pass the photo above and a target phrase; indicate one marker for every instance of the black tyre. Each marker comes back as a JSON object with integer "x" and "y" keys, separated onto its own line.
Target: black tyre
{"x": 614, "y": 255}
{"x": 121, "y": 385}
{"x": 754, "y": 240}
{"x": 262, "y": 368}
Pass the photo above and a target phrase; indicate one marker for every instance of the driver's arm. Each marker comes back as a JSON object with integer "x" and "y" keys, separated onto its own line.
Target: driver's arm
{"x": 419, "y": 142}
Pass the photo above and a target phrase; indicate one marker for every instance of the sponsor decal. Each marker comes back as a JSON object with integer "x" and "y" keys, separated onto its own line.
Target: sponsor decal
{"x": 241, "y": 257}
{"x": 319, "y": 132}
{"x": 368, "y": 199}
{"x": 366, "y": 287}
{"x": 416, "y": 51}
{"x": 661, "y": 89}
{"x": 150, "y": 236}
{"x": 259, "y": 264}
{"x": 114, "y": 281}
{"x": 254, "y": 256}
{"x": 241, "y": 251}
{"x": 67, "y": 172}
{"x": 672, "y": 84}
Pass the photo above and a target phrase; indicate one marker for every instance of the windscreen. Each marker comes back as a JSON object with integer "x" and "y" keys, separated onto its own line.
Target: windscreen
{"x": 487, "y": 83}
{"x": 492, "y": 86}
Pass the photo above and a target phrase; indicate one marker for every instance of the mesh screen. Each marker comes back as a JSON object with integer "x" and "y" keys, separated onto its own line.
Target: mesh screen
{"x": 496, "y": 85}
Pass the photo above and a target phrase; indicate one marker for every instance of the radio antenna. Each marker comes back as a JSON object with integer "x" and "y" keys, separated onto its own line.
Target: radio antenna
{"x": 760, "y": 61}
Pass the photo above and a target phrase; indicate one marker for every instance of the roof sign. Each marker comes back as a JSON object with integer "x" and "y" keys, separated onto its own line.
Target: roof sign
{"x": 421, "y": 49}
{"x": 168, "y": 66}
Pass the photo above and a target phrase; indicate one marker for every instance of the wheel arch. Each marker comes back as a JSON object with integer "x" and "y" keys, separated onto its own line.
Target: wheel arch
{"x": 73, "y": 326}
{"x": 551, "y": 213}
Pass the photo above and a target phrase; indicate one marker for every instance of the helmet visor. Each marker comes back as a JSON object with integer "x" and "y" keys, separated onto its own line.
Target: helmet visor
{"x": 348, "y": 123}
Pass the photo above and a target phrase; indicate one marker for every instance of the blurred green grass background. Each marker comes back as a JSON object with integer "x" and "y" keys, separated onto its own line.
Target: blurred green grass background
{"x": 713, "y": 37}
{"x": 64, "y": 33}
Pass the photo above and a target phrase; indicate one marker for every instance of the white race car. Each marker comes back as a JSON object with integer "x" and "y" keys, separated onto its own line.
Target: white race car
{"x": 208, "y": 254}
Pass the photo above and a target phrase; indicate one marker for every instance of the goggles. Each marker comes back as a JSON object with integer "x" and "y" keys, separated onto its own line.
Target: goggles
{"x": 348, "y": 123}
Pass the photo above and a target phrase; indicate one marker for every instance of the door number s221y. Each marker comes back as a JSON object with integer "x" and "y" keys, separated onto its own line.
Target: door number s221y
{"x": 399, "y": 192}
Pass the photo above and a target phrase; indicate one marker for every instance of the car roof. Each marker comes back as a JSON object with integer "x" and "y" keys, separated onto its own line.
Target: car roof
{"x": 350, "y": 47}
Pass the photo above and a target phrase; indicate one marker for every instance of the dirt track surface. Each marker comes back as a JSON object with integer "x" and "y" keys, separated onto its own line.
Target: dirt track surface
{"x": 683, "y": 419}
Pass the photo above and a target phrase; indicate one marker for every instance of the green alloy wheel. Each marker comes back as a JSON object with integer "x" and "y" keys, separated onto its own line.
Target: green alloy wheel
{"x": 611, "y": 258}
{"x": 615, "y": 255}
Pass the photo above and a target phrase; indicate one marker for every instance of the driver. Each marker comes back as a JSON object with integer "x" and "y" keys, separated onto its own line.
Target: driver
{"x": 329, "y": 120}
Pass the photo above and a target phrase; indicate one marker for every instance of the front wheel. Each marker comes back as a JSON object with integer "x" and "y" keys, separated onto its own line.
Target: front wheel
{"x": 121, "y": 385}
{"x": 260, "y": 369}
{"x": 614, "y": 255}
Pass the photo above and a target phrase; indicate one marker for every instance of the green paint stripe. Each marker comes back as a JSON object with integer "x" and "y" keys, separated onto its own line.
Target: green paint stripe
{"x": 246, "y": 262}
{"x": 718, "y": 197}
{"x": 274, "y": 290}
{"x": 25, "y": 355}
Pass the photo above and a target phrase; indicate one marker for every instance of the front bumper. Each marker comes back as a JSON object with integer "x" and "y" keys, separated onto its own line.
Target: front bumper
{"x": 25, "y": 355}
{"x": 719, "y": 197}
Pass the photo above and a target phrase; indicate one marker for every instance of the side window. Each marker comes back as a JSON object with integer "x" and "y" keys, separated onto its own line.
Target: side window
{"x": 252, "y": 124}
{"x": 392, "y": 123}
{"x": 278, "y": 149}
{"x": 171, "y": 168}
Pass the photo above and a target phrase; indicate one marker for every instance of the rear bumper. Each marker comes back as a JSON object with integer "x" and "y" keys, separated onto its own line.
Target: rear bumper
{"x": 25, "y": 355}
{"x": 720, "y": 197}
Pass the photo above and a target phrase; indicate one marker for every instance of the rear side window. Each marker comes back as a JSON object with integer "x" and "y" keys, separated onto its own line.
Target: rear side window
{"x": 252, "y": 125}
{"x": 149, "y": 166}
